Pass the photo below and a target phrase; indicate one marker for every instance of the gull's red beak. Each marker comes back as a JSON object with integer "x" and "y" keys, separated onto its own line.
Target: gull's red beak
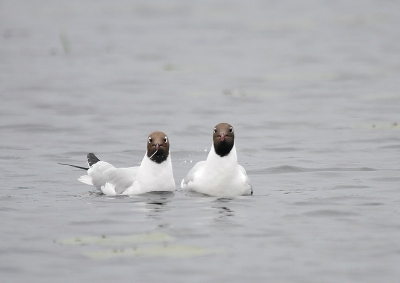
{"x": 223, "y": 137}
{"x": 157, "y": 146}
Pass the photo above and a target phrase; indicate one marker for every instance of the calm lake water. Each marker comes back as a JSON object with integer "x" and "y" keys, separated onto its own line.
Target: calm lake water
{"x": 311, "y": 88}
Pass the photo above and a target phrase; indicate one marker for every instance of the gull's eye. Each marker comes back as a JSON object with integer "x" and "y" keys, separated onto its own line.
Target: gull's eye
{"x": 215, "y": 130}
{"x": 150, "y": 139}
{"x": 165, "y": 139}
{"x": 230, "y": 129}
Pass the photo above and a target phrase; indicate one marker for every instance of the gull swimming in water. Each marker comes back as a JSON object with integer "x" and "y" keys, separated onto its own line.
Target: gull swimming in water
{"x": 219, "y": 175}
{"x": 153, "y": 174}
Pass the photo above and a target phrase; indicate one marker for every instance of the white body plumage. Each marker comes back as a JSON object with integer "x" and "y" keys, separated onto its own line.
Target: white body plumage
{"x": 218, "y": 176}
{"x": 148, "y": 177}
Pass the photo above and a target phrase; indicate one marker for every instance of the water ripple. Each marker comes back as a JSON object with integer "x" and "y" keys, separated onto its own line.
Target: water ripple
{"x": 296, "y": 169}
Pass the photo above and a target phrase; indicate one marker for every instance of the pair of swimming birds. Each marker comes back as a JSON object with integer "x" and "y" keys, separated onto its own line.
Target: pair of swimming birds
{"x": 219, "y": 175}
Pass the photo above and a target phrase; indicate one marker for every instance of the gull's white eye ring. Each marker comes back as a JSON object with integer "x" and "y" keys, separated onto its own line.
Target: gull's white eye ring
{"x": 165, "y": 139}
{"x": 150, "y": 139}
{"x": 215, "y": 130}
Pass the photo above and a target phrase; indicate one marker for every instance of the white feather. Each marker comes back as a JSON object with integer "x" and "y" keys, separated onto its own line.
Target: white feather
{"x": 108, "y": 189}
{"x": 218, "y": 176}
{"x": 149, "y": 176}
{"x": 86, "y": 179}
{"x": 152, "y": 176}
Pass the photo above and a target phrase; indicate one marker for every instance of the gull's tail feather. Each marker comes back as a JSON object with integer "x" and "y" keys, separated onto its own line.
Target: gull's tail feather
{"x": 92, "y": 159}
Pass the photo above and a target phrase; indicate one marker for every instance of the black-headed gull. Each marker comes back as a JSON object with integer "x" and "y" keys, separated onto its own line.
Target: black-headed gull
{"x": 153, "y": 174}
{"x": 220, "y": 175}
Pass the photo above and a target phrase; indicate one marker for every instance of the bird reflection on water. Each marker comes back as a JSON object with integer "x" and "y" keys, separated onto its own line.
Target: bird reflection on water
{"x": 224, "y": 212}
{"x": 156, "y": 203}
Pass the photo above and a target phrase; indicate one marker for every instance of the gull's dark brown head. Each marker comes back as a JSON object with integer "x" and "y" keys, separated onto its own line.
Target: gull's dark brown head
{"x": 223, "y": 138}
{"x": 158, "y": 147}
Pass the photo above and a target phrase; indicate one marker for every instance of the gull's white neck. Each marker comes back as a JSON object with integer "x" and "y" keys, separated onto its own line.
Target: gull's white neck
{"x": 231, "y": 158}
{"x": 151, "y": 167}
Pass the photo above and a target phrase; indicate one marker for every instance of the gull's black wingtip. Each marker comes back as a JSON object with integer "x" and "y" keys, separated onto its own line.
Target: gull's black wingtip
{"x": 92, "y": 159}
{"x": 79, "y": 167}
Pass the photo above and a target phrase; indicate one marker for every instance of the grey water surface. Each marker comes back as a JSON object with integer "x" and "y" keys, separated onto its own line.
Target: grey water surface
{"x": 311, "y": 88}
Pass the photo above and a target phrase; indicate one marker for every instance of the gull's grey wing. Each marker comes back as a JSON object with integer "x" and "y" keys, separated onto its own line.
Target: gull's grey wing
{"x": 102, "y": 173}
{"x": 190, "y": 176}
{"x": 246, "y": 179}
{"x": 122, "y": 178}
